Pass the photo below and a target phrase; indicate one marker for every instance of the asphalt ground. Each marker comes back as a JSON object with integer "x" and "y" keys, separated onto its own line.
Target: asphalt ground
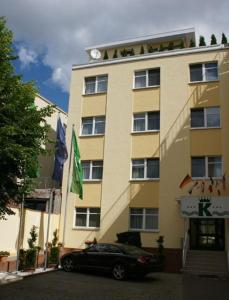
{"x": 159, "y": 286}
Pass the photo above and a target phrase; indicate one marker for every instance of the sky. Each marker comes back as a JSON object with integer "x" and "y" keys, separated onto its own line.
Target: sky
{"x": 51, "y": 35}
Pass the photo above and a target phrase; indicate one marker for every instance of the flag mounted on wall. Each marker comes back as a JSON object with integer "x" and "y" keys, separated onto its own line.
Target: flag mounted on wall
{"x": 77, "y": 172}
{"x": 61, "y": 153}
{"x": 185, "y": 181}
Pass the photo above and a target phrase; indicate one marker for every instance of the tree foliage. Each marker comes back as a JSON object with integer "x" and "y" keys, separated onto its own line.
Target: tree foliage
{"x": 224, "y": 39}
{"x": 23, "y": 127}
{"x": 213, "y": 40}
{"x": 202, "y": 41}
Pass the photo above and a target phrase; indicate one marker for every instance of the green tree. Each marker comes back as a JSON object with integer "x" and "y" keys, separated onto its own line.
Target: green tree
{"x": 142, "y": 51}
{"x": 202, "y": 41}
{"x": 192, "y": 43}
{"x": 213, "y": 40}
{"x": 23, "y": 128}
{"x": 105, "y": 55}
{"x": 115, "y": 54}
{"x": 224, "y": 39}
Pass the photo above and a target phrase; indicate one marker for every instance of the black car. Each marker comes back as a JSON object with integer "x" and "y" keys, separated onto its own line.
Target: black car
{"x": 118, "y": 259}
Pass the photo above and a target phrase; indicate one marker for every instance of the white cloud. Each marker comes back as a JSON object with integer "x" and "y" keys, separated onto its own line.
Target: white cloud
{"x": 26, "y": 56}
{"x": 61, "y": 29}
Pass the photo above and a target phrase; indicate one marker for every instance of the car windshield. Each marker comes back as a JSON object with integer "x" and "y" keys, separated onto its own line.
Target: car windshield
{"x": 128, "y": 249}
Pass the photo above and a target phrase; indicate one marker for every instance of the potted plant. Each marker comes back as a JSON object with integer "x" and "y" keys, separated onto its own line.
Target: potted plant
{"x": 4, "y": 255}
{"x": 54, "y": 251}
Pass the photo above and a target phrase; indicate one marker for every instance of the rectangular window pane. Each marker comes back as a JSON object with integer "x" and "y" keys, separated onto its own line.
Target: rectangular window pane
{"x": 140, "y": 79}
{"x": 136, "y": 211}
{"x": 90, "y": 85}
{"x": 211, "y": 71}
{"x": 139, "y": 122}
{"x": 138, "y": 168}
{"x": 154, "y": 120}
{"x": 81, "y": 220}
{"x": 151, "y": 222}
{"x": 86, "y": 169}
{"x": 197, "y": 118}
{"x": 153, "y": 77}
{"x": 99, "y": 125}
{"x": 198, "y": 167}
{"x": 97, "y": 170}
{"x": 102, "y": 84}
{"x": 87, "y": 125}
{"x": 214, "y": 166}
{"x": 136, "y": 221}
{"x": 94, "y": 220}
{"x": 196, "y": 72}
{"x": 213, "y": 116}
{"x": 153, "y": 168}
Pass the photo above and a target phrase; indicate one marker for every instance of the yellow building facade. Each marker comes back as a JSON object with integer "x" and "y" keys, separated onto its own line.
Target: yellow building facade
{"x": 145, "y": 120}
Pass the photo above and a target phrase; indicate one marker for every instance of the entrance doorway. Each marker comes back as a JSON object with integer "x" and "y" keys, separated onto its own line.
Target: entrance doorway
{"x": 207, "y": 234}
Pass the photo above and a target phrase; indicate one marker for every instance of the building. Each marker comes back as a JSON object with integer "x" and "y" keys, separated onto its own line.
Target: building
{"x": 36, "y": 204}
{"x": 151, "y": 115}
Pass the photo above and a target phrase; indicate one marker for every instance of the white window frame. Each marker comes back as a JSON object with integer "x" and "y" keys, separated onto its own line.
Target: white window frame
{"x": 93, "y": 126}
{"x": 144, "y": 219}
{"x": 88, "y": 213}
{"x": 96, "y": 84}
{"x": 145, "y": 170}
{"x": 91, "y": 169}
{"x": 205, "y": 118}
{"x": 206, "y": 167}
{"x": 147, "y": 79}
{"x": 146, "y": 122}
{"x": 204, "y": 72}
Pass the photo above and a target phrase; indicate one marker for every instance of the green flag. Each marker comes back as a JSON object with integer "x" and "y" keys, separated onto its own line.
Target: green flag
{"x": 77, "y": 173}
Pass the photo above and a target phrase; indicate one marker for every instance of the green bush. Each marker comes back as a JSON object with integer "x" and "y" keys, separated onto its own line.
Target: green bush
{"x": 142, "y": 51}
{"x": 4, "y": 253}
{"x": 54, "y": 255}
{"x": 30, "y": 258}
{"x": 224, "y": 39}
{"x": 202, "y": 41}
{"x": 105, "y": 55}
{"x": 213, "y": 40}
{"x": 115, "y": 54}
{"x": 192, "y": 43}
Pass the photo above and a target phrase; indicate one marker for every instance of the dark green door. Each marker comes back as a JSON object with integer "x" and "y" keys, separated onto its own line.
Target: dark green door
{"x": 207, "y": 234}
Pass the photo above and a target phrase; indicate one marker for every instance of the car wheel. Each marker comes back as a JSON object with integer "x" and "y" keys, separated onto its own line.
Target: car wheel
{"x": 119, "y": 271}
{"x": 67, "y": 264}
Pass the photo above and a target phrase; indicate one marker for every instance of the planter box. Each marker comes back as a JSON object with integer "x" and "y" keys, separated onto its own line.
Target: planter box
{"x": 3, "y": 258}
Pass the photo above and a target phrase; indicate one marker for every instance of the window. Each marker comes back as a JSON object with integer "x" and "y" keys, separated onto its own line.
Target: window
{"x": 204, "y": 72}
{"x": 146, "y": 121}
{"x": 93, "y": 126}
{"x": 205, "y": 117}
{"x": 144, "y": 219}
{"x": 206, "y": 166}
{"x": 87, "y": 217}
{"x": 96, "y": 84}
{"x": 145, "y": 168}
{"x": 92, "y": 170}
{"x": 147, "y": 78}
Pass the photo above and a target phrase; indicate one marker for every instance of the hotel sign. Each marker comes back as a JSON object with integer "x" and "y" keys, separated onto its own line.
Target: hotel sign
{"x": 205, "y": 207}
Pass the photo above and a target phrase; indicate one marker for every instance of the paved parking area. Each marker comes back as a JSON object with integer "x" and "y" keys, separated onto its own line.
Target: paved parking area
{"x": 61, "y": 285}
{"x": 159, "y": 286}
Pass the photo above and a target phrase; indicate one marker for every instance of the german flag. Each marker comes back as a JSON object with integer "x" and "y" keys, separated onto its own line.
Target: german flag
{"x": 185, "y": 181}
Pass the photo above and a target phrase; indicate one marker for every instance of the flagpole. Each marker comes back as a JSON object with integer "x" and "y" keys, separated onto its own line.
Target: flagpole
{"x": 48, "y": 225}
{"x": 67, "y": 192}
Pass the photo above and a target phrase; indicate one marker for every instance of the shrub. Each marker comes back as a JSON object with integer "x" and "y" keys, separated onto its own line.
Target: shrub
{"x": 142, "y": 51}
{"x": 160, "y": 251}
{"x": 124, "y": 52}
{"x": 105, "y": 55}
{"x": 33, "y": 237}
{"x": 161, "y": 48}
{"x": 213, "y": 40}
{"x": 181, "y": 44}
{"x": 192, "y": 43}
{"x": 54, "y": 255}
{"x": 202, "y": 41}
{"x": 171, "y": 46}
{"x": 224, "y": 39}
{"x": 30, "y": 258}
{"x": 4, "y": 253}
{"x": 115, "y": 55}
